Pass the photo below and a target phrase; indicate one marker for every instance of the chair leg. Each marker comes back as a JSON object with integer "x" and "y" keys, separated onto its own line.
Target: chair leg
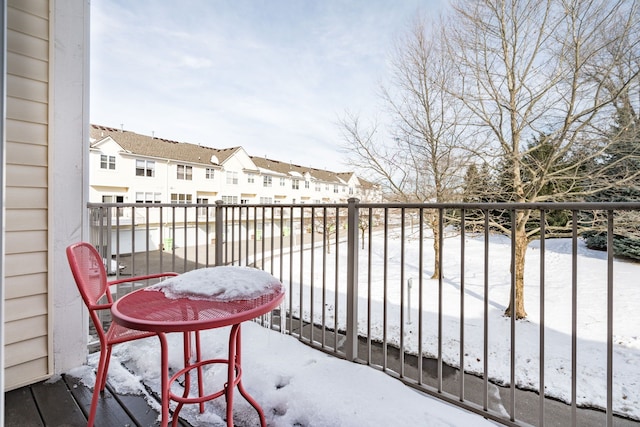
{"x": 103, "y": 378}
{"x": 99, "y": 386}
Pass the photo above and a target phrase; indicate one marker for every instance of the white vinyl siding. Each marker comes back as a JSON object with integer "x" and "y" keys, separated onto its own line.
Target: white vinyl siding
{"x": 27, "y": 340}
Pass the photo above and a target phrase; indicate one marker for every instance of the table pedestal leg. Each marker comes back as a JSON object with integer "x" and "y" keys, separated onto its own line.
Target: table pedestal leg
{"x": 234, "y": 376}
{"x": 200, "y": 378}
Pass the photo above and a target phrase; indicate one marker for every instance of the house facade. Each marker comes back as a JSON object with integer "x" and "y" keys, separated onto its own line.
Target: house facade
{"x": 44, "y": 129}
{"x": 127, "y": 167}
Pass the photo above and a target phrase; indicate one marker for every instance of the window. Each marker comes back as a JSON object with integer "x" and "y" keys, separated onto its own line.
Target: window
{"x": 107, "y": 162}
{"x": 232, "y": 177}
{"x": 350, "y": 190}
{"x": 266, "y": 181}
{"x": 307, "y": 184}
{"x": 251, "y": 178}
{"x": 145, "y": 168}
{"x": 114, "y": 199}
{"x": 185, "y": 172}
{"x": 266, "y": 200}
{"x": 148, "y": 197}
{"x": 244, "y": 201}
{"x": 180, "y": 198}
{"x": 209, "y": 173}
{"x": 335, "y": 188}
{"x": 282, "y": 182}
{"x": 230, "y": 199}
{"x": 295, "y": 184}
{"x": 202, "y": 210}
{"x": 318, "y": 186}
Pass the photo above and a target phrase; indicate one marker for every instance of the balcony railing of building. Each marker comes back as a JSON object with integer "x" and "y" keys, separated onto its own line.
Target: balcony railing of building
{"x": 419, "y": 291}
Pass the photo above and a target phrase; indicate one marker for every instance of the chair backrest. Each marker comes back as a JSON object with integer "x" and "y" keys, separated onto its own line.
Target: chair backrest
{"x": 89, "y": 273}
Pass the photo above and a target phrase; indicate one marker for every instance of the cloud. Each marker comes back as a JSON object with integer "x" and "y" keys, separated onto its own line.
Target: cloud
{"x": 270, "y": 76}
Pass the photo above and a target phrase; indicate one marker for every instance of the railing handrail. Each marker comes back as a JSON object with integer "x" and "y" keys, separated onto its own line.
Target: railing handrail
{"x": 412, "y": 205}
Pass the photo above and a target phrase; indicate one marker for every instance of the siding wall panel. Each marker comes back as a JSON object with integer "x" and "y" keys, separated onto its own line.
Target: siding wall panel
{"x": 14, "y": 375}
{"x": 34, "y": 7}
{"x": 32, "y": 68}
{"x": 22, "y": 175}
{"x": 36, "y": 347}
{"x": 26, "y": 198}
{"x": 21, "y": 263}
{"x": 27, "y": 241}
{"x": 32, "y": 133}
{"x": 27, "y": 45}
{"x": 25, "y": 329}
{"x": 25, "y": 285}
{"x": 25, "y": 220}
{"x": 26, "y": 154}
{"x": 23, "y": 308}
{"x": 21, "y": 109}
{"x": 33, "y": 90}
{"x": 28, "y": 23}
{"x": 42, "y": 213}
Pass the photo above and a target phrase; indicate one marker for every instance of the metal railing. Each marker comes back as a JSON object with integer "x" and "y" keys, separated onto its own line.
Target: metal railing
{"x": 366, "y": 283}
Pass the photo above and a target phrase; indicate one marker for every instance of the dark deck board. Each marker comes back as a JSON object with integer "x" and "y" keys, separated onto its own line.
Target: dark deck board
{"x": 56, "y": 404}
{"x": 144, "y": 414}
{"x": 109, "y": 411}
{"x": 66, "y": 403}
{"x": 21, "y": 409}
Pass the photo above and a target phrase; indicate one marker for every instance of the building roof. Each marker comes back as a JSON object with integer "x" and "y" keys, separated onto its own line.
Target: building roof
{"x": 298, "y": 171}
{"x": 150, "y": 146}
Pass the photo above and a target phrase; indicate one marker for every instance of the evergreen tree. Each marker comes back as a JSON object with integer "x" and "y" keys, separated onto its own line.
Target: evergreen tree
{"x": 478, "y": 187}
{"x": 622, "y": 157}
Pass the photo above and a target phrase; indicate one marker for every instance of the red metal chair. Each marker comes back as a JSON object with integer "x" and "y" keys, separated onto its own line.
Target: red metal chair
{"x": 91, "y": 277}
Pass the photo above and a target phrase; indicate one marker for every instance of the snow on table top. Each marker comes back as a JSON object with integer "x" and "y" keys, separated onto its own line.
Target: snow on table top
{"x": 222, "y": 283}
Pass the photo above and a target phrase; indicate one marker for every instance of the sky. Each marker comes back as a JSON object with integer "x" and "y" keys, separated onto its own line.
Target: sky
{"x": 271, "y": 76}
{"x": 297, "y": 385}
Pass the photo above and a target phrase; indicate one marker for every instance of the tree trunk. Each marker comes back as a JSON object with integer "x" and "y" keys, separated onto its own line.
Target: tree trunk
{"x": 328, "y": 241}
{"x": 518, "y": 264}
{"x": 433, "y": 221}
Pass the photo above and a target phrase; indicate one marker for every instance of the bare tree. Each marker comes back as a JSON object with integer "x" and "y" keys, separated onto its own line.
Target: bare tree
{"x": 327, "y": 226}
{"x": 423, "y": 159}
{"x": 553, "y": 68}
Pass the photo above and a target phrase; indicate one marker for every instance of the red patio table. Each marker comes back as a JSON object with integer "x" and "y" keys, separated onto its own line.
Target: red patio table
{"x": 151, "y": 310}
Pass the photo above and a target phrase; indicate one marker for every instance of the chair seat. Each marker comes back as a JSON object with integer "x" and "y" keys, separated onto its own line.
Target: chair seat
{"x": 118, "y": 334}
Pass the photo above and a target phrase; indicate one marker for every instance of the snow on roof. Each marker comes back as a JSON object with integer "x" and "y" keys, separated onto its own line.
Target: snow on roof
{"x": 270, "y": 172}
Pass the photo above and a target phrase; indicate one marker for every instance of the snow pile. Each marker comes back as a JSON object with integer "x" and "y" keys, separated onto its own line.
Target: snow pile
{"x": 294, "y": 384}
{"x": 222, "y": 283}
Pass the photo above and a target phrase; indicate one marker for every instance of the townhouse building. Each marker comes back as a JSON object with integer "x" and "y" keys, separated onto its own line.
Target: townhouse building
{"x": 127, "y": 167}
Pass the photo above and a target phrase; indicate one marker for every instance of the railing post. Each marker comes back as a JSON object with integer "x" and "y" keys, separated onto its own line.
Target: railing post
{"x": 219, "y": 233}
{"x": 351, "y": 345}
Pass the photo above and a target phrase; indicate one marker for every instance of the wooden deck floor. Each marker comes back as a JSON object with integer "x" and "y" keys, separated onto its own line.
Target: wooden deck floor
{"x": 66, "y": 402}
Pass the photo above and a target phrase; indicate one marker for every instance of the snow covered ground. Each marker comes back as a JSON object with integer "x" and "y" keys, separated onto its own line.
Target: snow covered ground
{"x": 300, "y": 386}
